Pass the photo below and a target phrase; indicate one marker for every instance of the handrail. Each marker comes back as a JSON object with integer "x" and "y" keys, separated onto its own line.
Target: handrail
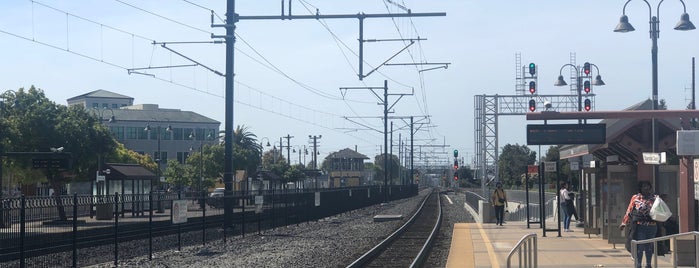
{"x": 528, "y": 258}
{"x": 673, "y": 237}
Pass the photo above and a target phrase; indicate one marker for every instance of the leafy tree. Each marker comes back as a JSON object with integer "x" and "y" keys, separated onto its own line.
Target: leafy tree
{"x": 293, "y": 174}
{"x": 246, "y": 150}
{"x": 36, "y": 124}
{"x": 513, "y": 162}
{"x": 393, "y": 166}
{"x": 211, "y": 167}
{"x": 176, "y": 174}
{"x": 553, "y": 155}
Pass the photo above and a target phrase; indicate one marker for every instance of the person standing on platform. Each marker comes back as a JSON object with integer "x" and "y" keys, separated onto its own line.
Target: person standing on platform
{"x": 563, "y": 197}
{"x": 499, "y": 200}
{"x": 641, "y": 225}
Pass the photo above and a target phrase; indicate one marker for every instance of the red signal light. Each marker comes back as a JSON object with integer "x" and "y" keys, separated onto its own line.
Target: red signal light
{"x": 588, "y": 105}
{"x": 586, "y": 87}
{"x": 532, "y": 87}
{"x": 532, "y": 105}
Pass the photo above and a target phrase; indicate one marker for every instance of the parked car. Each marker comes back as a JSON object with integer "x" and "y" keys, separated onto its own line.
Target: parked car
{"x": 215, "y": 199}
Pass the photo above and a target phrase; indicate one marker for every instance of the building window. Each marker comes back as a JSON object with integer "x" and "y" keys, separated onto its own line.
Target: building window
{"x": 115, "y": 106}
{"x": 187, "y": 132}
{"x": 182, "y": 157}
{"x": 117, "y": 132}
{"x": 177, "y": 134}
{"x": 95, "y": 105}
{"x": 105, "y": 105}
{"x": 132, "y": 132}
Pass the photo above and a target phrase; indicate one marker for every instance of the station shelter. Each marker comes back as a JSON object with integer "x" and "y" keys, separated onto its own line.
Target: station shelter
{"x": 610, "y": 172}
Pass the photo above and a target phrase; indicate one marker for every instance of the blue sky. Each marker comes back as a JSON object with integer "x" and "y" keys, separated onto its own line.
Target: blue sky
{"x": 289, "y": 73}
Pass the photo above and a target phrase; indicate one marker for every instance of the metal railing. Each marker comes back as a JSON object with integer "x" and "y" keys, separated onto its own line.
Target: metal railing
{"x": 673, "y": 240}
{"x": 527, "y": 251}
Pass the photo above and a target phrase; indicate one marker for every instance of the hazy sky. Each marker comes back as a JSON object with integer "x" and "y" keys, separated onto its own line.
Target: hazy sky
{"x": 289, "y": 72}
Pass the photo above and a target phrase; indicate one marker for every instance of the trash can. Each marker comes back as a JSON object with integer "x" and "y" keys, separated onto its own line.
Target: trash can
{"x": 160, "y": 205}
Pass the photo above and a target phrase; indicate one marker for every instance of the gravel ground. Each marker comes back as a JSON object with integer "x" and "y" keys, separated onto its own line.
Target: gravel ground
{"x": 331, "y": 242}
{"x": 453, "y": 211}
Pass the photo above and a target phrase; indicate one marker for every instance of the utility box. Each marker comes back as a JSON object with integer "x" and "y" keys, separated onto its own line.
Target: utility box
{"x": 486, "y": 211}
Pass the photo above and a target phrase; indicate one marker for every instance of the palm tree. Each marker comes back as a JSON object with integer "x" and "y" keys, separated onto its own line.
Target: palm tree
{"x": 247, "y": 149}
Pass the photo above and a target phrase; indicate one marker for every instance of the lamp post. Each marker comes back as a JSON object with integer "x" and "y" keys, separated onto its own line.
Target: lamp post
{"x": 580, "y": 75}
{"x": 100, "y": 116}
{"x": 683, "y": 25}
{"x": 159, "y": 154}
{"x": 300, "y": 152}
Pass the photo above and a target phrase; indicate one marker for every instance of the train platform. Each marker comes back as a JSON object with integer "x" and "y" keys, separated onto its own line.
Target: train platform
{"x": 488, "y": 245}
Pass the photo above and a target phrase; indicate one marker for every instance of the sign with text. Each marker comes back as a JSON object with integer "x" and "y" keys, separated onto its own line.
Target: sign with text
{"x": 550, "y": 166}
{"x": 52, "y": 163}
{"x": 654, "y": 158}
{"x": 532, "y": 169}
{"x": 566, "y": 134}
{"x": 179, "y": 211}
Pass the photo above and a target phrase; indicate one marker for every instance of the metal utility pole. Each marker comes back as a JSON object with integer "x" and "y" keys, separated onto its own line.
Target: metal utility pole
{"x": 386, "y": 108}
{"x": 315, "y": 154}
{"x": 231, "y": 19}
{"x": 288, "y": 147}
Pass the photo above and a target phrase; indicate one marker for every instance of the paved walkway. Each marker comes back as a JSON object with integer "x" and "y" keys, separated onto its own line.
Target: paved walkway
{"x": 488, "y": 245}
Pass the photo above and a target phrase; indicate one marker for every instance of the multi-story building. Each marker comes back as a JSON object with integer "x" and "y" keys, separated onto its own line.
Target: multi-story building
{"x": 346, "y": 168}
{"x": 148, "y": 129}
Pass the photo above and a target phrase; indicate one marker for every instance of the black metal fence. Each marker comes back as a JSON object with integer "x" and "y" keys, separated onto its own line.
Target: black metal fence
{"x": 81, "y": 230}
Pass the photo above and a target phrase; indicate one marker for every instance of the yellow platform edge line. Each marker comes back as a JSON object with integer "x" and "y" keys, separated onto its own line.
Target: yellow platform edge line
{"x": 491, "y": 251}
{"x": 461, "y": 251}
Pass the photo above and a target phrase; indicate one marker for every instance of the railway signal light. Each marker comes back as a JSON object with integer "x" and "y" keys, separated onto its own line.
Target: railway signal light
{"x": 456, "y": 153}
{"x": 588, "y": 105}
{"x": 586, "y": 68}
{"x": 532, "y": 69}
{"x": 532, "y": 105}
{"x": 456, "y": 164}
{"x": 586, "y": 86}
{"x": 532, "y": 87}
{"x": 456, "y": 177}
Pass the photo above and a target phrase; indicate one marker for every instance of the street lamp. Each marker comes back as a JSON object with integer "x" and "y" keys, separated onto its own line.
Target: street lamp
{"x": 159, "y": 154}
{"x": 305, "y": 151}
{"x": 100, "y": 113}
{"x": 683, "y": 25}
{"x": 579, "y": 76}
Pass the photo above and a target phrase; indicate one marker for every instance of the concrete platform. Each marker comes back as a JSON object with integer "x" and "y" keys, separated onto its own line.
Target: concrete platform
{"x": 487, "y": 245}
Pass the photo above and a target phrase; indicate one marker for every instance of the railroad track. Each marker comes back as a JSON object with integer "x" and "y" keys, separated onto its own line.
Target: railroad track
{"x": 411, "y": 243}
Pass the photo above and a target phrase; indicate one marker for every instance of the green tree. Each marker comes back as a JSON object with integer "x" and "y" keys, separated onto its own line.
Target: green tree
{"x": 36, "y": 124}
{"x": 210, "y": 167}
{"x": 176, "y": 174}
{"x": 513, "y": 162}
{"x": 393, "y": 166}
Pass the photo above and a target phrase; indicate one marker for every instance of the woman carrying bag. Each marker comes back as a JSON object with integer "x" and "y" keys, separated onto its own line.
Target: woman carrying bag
{"x": 499, "y": 200}
{"x": 642, "y": 226}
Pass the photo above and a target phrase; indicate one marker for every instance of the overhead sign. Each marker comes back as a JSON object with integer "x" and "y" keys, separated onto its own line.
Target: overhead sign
{"x": 654, "y": 158}
{"x": 574, "y": 166}
{"x": 53, "y": 163}
{"x": 687, "y": 142}
{"x": 566, "y": 134}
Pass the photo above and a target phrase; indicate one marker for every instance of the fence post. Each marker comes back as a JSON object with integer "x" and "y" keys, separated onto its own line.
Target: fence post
{"x": 75, "y": 230}
{"x": 203, "y": 206}
{"x": 150, "y": 225}
{"x": 116, "y": 229}
{"x": 22, "y": 231}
